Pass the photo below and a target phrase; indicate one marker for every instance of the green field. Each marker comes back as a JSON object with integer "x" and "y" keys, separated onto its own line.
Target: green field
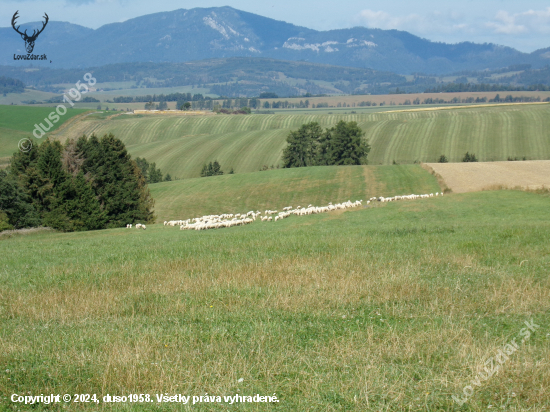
{"x": 275, "y": 189}
{"x": 17, "y": 122}
{"x": 181, "y": 145}
{"x": 394, "y": 307}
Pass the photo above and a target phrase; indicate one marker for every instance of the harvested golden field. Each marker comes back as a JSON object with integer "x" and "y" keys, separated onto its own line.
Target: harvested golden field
{"x": 472, "y": 177}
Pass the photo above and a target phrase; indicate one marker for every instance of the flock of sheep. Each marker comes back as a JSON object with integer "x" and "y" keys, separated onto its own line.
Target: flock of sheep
{"x": 138, "y": 226}
{"x": 406, "y": 197}
{"x": 241, "y": 219}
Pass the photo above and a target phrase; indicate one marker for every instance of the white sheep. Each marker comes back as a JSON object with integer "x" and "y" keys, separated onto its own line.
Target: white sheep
{"x": 239, "y": 219}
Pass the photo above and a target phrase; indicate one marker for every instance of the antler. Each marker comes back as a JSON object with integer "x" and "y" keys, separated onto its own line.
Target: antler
{"x": 43, "y": 27}
{"x": 15, "y": 16}
{"x": 34, "y": 33}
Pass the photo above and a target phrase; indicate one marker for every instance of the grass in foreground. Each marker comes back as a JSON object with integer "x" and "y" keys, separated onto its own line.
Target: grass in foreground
{"x": 275, "y": 189}
{"x": 394, "y": 307}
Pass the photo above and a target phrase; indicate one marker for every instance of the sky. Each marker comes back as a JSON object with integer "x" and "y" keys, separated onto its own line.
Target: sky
{"x": 524, "y": 25}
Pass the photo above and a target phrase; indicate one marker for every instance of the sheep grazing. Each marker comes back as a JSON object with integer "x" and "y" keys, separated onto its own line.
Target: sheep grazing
{"x": 129, "y": 226}
{"x": 241, "y": 219}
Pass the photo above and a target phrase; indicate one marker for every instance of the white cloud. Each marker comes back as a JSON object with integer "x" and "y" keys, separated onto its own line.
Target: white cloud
{"x": 427, "y": 24}
{"x": 531, "y": 21}
{"x": 382, "y": 20}
{"x": 526, "y": 29}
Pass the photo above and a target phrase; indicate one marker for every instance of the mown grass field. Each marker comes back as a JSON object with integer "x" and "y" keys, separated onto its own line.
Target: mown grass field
{"x": 276, "y": 189}
{"x": 181, "y": 146}
{"x": 17, "y": 122}
{"x": 394, "y": 307}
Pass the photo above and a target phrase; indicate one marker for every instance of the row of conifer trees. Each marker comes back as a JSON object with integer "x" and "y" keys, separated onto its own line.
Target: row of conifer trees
{"x": 84, "y": 184}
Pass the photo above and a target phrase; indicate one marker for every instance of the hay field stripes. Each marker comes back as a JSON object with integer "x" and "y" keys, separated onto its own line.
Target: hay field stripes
{"x": 492, "y": 133}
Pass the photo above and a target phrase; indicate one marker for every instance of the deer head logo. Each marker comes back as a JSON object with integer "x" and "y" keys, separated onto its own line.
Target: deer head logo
{"x": 29, "y": 40}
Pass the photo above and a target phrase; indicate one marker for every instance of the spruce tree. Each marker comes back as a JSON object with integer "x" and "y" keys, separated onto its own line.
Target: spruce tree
{"x": 155, "y": 175}
{"x": 144, "y": 167}
{"x": 216, "y": 169}
{"x": 16, "y": 206}
{"x": 116, "y": 180}
{"x": 81, "y": 205}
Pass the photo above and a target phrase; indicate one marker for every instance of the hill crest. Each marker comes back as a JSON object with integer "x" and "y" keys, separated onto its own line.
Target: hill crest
{"x": 202, "y": 33}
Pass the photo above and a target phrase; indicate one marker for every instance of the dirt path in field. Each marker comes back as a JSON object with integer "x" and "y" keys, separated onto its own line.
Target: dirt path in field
{"x": 473, "y": 177}
{"x": 373, "y": 186}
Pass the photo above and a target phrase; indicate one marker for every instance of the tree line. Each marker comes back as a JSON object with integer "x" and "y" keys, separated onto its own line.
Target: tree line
{"x": 9, "y": 85}
{"x": 171, "y": 97}
{"x": 484, "y": 87}
{"x": 85, "y": 184}
{"x": 150, "y": 172}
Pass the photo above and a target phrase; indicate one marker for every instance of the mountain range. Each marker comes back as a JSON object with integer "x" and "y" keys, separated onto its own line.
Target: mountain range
{"x": 205, "y": 33}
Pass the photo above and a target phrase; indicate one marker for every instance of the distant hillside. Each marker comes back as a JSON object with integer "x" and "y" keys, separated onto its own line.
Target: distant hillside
{"x": 232, "y": 77}
{"x": 9, "y": 85}
{"x": 250, "y": 76}
{"x": 204, "y": 33}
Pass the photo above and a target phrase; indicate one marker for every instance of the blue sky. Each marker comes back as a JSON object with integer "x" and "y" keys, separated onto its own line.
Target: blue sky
{"x": 524, "y": 25}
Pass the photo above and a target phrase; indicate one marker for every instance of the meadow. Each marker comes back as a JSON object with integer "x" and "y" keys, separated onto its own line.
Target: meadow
{"x": 276, "y": 189}
{"x": 18, "y": 122}
{"x": 181, "y": 146}
{"x": 392, "y": 307}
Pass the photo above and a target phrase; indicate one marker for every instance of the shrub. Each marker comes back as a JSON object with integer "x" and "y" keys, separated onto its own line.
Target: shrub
{"x": 469, "y": 157}
{"x": 4, "y": 223}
